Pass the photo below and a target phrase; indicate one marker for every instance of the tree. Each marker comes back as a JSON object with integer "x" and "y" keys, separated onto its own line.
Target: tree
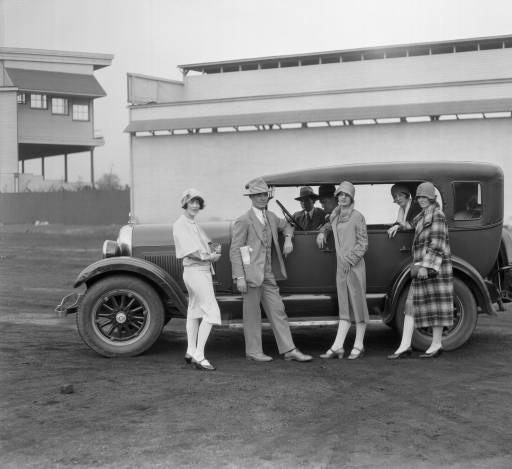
{"x": 109, "y": 182}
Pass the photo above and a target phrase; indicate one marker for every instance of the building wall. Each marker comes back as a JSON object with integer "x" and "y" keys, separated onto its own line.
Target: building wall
{"x": 353, "y": 76}
{"x": 8, "y": 140}
{"x": 220, "y": 164}
{"x": 41, "y": 126}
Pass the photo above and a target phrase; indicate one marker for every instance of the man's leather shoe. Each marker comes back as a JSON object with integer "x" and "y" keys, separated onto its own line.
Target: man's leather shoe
{"x": 259, "y": 357}
{"x": 297, "y": 355}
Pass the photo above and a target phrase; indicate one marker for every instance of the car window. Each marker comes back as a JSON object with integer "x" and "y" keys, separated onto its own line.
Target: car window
{"x": 374, "y": 201}
{"x": 467, "y": 201}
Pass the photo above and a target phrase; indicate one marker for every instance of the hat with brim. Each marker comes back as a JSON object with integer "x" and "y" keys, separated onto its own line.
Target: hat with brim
{"x": 306, "y": 192}
{"x": 257, "y": 186}
{"x": 347, "y": 188}
{"x": 326, "y": 190}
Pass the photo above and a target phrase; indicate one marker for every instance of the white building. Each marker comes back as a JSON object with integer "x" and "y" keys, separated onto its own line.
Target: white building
{"x": 228, "y": 122}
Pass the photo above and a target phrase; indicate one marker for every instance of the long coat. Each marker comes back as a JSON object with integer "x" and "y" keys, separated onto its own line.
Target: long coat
{"x": 248, "y": 231}
{"x": 351, "y": 241}
{"x": 432, "y": 298}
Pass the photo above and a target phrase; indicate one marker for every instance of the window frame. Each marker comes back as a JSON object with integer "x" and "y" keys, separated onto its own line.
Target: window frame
{"x": 21, "y": 98}
{"x": 76, "y": 117}
{"x": 66, "y": 106}
{"x": 44, "y": 101}
{"x": 454, "y": 195}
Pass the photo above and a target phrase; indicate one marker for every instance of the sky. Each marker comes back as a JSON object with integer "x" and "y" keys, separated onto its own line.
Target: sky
{"x": 152, "y": 37}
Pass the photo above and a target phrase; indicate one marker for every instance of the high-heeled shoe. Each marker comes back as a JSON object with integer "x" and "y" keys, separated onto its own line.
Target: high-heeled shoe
{"x": 338, "y": 353}
{"x": 435, "y": 354}
{"x": 188, "y": 359}
{"x": 359, "y": 353}
{"x": 404, "y": 354}
{"x": 203, "y": 364}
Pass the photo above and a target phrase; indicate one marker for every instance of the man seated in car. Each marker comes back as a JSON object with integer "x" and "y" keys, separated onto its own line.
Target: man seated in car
{"x": 310, "y": 217}
{"x": 328, "y": 202}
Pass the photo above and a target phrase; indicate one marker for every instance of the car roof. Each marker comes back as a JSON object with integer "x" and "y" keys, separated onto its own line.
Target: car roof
{"x": 387, "y": 172}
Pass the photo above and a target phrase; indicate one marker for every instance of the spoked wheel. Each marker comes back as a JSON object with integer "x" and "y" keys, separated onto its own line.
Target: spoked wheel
{"x": 464, "y": 319}
{"x": 120, "y": 316}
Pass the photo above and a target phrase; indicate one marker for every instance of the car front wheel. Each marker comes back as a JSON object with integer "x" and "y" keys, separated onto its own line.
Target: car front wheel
{"x": 464, "y": 319}
{"x": 120, "y": 316}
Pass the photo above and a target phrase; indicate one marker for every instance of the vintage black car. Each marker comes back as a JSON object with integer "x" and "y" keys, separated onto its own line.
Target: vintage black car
{"x": 137, "y": 287}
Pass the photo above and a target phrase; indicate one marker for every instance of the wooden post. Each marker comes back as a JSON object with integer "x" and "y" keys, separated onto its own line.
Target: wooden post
{"x": 42, "y": 166}
{"x": 92, "y": 167}
{"x": 65, "y": 167}
{"x": 22, "y": 166}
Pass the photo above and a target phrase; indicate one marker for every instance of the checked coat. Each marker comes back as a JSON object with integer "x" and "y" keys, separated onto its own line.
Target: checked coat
{"x": 432, "y": 298}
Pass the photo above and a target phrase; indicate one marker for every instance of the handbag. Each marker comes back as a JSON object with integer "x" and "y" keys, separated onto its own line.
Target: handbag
{"x": 415, "y": 268}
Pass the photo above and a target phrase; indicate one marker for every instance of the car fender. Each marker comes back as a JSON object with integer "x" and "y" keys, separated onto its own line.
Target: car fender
{"x": 165, "y": 285}
{"x": 462, "y": 270}
{"x": 506, "y": 246}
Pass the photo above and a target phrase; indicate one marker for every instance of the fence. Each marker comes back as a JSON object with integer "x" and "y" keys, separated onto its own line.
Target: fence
{"x": 93, "y": 207}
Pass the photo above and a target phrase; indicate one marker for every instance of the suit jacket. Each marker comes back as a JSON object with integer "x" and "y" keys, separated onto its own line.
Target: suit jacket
{"x": 248, "y": 231}
{"x": 314, "y": 223}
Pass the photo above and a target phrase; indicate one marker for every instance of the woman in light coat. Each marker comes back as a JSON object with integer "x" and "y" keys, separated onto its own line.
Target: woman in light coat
{"x": 430, "y": 299}
{"x": 193, "y": 246}
{"x": 351, "y": 241}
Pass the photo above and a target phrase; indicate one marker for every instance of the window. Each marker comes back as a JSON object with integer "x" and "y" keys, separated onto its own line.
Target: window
{"x": 21, "y": 98}
{"x": 374, "y": 201}
{"x": 80, "y": 112}
{"x": 38, "y": 101}
{"x": 60, "y": 106}
{"x": 467, "y": 201}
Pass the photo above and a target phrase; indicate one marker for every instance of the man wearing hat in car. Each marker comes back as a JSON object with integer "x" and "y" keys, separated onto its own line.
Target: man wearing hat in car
{"x": 328, "y": 202}
{"x": 257, "y": 264}
{"x": 310, "y": 217}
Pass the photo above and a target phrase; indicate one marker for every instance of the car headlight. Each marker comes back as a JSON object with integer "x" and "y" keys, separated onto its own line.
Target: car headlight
{"x": 110, "y": 248}
{"x": 124, "y": 240}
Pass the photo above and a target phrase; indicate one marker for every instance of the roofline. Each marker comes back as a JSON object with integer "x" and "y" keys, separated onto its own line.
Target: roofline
{"x": 153, "y": 78}
{"x": 199, "y": 65}
{"x": 45, "y": 55}
{"x": 402, "y": 170}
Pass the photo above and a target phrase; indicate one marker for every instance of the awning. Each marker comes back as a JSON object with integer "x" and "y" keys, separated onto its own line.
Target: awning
{"x": 73, "y": 84}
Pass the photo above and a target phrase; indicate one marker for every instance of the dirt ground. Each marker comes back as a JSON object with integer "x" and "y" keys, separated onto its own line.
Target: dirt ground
{"x": 154, "y": 411}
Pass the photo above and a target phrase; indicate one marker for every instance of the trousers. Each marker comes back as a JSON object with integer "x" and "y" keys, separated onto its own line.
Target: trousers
{"x": 267, "y": 295}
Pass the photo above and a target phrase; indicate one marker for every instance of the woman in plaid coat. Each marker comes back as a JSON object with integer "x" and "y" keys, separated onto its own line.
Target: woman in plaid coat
{"x": 430, "y": 299}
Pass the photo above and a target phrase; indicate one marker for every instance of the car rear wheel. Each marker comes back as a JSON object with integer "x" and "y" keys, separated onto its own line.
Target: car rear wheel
{"x": 120, "y": 316}
{"x": 464, "y": 319}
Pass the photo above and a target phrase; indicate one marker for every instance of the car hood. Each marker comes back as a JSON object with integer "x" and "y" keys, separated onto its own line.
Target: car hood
{"x": 161, "y": 234}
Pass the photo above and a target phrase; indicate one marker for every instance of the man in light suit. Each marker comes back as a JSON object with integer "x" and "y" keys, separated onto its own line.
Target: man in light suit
{"x": 256, "y": 273}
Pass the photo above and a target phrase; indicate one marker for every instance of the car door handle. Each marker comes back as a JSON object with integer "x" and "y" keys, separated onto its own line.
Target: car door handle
{"x": 327, "y": 251}
{"x": 405, "y": 249}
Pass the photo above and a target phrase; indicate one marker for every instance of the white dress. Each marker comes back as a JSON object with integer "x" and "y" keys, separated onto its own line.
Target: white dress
{"x": 197, "y": 275}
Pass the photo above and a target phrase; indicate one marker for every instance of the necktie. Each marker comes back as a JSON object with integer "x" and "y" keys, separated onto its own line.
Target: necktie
{"x": 264, "y": 214}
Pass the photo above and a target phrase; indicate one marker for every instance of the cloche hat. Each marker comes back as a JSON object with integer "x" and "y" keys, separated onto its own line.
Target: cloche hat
{"x": 400, "y": 188}
{"x": 346, "y": 187}
{"x": 190, "y": 194}
{"x": 426, "y": 189}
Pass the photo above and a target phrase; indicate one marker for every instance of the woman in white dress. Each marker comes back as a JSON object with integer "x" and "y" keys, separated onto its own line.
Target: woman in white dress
{"x": 194, "y": 247}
